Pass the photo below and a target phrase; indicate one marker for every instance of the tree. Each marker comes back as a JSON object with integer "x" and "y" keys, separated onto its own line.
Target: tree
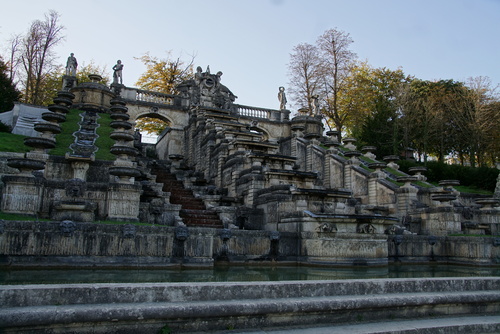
{"x": 54, "y": 79}
{"x": 36, "y": 57}
{"x": 479, "y": 121}
{"x": 431, "y": 112}
{"x": 163, "y": 75}
{"x": 337, "y": 61}
{"x": 8, "y": 91}
{"x": 303, "y": 70}
{"x": 370, "y": 99}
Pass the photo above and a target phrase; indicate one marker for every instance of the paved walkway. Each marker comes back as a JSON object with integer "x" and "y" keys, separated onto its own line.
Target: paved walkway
{"x": 452, "y": 325}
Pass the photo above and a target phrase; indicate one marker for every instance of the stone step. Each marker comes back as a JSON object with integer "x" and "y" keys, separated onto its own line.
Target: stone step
{"x": 193, "y": 212}
{"x": 436, "y": 325}
{"x": 204, "y": 307}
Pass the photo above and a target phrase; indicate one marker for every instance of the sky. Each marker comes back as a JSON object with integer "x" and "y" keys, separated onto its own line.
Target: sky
{"x": 250, "y": 41}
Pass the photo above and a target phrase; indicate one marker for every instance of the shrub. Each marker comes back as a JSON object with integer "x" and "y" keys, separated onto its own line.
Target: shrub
{"x": 480, "y": 177}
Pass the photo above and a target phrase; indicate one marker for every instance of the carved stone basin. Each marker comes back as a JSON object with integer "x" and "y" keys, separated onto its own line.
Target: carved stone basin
{"x": 63, "y": 100}
{"x": 66, "y": 94}
{"x": 124, "y": 171}
{"x": 120, "y": 117}
{"x": 488, "y": 203}
{"x": 47, "y": 127}
{"x": 298, "y": 127}
{"x": 377, "y": 165}
{"x": 445, "y": 183}
{"x": 351, "y": 154}
{"x": 391, "y": 158}
{"x": 123, "y": 150}
{"x": 25, "y": 165}
{"x": 121, "y": 135}
{"x": 54, "y": 117}
{"x": 59, "y": 108}
{"x": 417, "y": 169}
{"x": 41, "y": 143}
{"x": 120, "y": 125}
{"x": 368, "y": 148}
{"x": 117, "y": 102}
{"x": 443, "y": 197}
{"x": 406, "y": 179}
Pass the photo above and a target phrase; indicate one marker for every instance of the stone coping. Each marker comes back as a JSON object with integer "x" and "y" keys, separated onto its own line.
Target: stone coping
{"x": 191, "y": 307}
{"x": 99, "y": 293}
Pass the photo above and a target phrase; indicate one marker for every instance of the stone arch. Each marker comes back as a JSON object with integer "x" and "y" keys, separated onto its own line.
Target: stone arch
{"x": 258, "y": 129}
{"x": 160, "y": 116}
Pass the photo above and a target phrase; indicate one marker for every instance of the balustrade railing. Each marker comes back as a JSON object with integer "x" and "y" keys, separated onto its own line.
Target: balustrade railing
{"x": 154, "y": 97}
{"x": 253, "y": 111}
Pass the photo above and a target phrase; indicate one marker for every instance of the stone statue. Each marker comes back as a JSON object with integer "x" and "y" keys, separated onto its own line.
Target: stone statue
{"x": 71, "y": 65}
{"x": 315, "y": 105}
{"x": 198, "y": 76}
{"x": 282, "y": 98}
{"x": 117, "y": 74}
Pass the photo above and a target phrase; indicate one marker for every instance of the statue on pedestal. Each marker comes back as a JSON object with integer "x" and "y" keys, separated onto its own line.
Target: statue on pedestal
{"x": 117, "y": 74}
{"x": 282, "y": 98}
{"x": 71, "y": 65}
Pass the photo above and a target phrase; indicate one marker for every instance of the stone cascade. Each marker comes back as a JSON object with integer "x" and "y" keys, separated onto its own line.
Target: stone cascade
{"x": 23, "y": 192}
{"x": 124, "y": 194}
{"x": 193, "y": 211}
{"x": 84, "y": 145}
{"x": 124, "y": 167}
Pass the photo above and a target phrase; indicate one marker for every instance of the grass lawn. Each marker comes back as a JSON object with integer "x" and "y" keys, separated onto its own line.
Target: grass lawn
{"x": 12, "y": 143}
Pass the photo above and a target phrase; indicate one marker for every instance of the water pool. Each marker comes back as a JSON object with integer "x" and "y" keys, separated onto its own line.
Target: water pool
{"x": 237, "y": 273}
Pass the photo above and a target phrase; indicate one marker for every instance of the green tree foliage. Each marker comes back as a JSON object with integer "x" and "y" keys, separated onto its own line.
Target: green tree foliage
{"x": 54, "y": 79}
{"x": 151, "y": 125}
{"x": 163, "y": 76}
{"x": 370, "y": 101}
{"x": 8, "y": 91}
{"x": 448, "y": 117}
{"x": 83, "y": 72}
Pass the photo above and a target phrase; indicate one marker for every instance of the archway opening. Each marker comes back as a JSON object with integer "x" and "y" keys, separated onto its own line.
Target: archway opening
{"x": 151, "y": 126}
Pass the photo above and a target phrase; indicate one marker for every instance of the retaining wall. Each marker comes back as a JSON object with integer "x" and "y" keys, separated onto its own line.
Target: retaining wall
{"x": 93, "y": 244}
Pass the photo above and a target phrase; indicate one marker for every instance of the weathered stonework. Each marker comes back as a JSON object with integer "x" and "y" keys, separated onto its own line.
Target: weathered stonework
{"x": 258, "y": 170}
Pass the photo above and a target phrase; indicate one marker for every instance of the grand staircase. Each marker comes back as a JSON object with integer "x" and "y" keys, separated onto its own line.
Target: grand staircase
{"x": 193, "y": 212}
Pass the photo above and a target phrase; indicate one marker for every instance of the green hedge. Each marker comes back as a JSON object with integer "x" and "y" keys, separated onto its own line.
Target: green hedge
{"x": 479, "y": 177}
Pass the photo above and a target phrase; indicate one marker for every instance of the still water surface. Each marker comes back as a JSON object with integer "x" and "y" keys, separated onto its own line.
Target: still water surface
{"x": 238, "y": 273}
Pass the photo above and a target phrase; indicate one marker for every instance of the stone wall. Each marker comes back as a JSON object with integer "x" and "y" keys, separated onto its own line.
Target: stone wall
{"x": 85, "y": 244}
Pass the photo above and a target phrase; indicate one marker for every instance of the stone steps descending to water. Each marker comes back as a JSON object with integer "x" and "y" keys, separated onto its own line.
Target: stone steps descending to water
{"x": 193, "y": 212}
{"x": 202, "y": 307}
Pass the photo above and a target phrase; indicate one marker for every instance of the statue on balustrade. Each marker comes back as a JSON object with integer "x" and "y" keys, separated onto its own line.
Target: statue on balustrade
{"x": 117, "y": 74}
{"x": 282, "y": 98}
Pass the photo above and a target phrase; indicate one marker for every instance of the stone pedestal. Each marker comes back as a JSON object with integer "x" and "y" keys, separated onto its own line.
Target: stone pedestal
{"x": 441, "y": 221}
{"x": 22, "y": 194}
{"x": 123, "y": 201}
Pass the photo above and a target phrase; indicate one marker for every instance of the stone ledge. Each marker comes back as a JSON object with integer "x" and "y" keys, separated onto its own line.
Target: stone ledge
{"x": 207, "y": 315}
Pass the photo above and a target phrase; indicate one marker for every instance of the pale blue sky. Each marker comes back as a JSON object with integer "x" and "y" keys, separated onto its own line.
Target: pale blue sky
{"x": 250, "y": 40}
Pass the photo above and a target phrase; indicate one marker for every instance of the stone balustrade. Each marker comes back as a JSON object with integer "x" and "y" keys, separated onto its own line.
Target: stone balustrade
{"x": 253, "y": 111}
{"x": 136, "y": 94}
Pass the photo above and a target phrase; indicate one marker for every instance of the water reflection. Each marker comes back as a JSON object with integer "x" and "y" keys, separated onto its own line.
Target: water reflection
{"x": 237, "y": 273}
